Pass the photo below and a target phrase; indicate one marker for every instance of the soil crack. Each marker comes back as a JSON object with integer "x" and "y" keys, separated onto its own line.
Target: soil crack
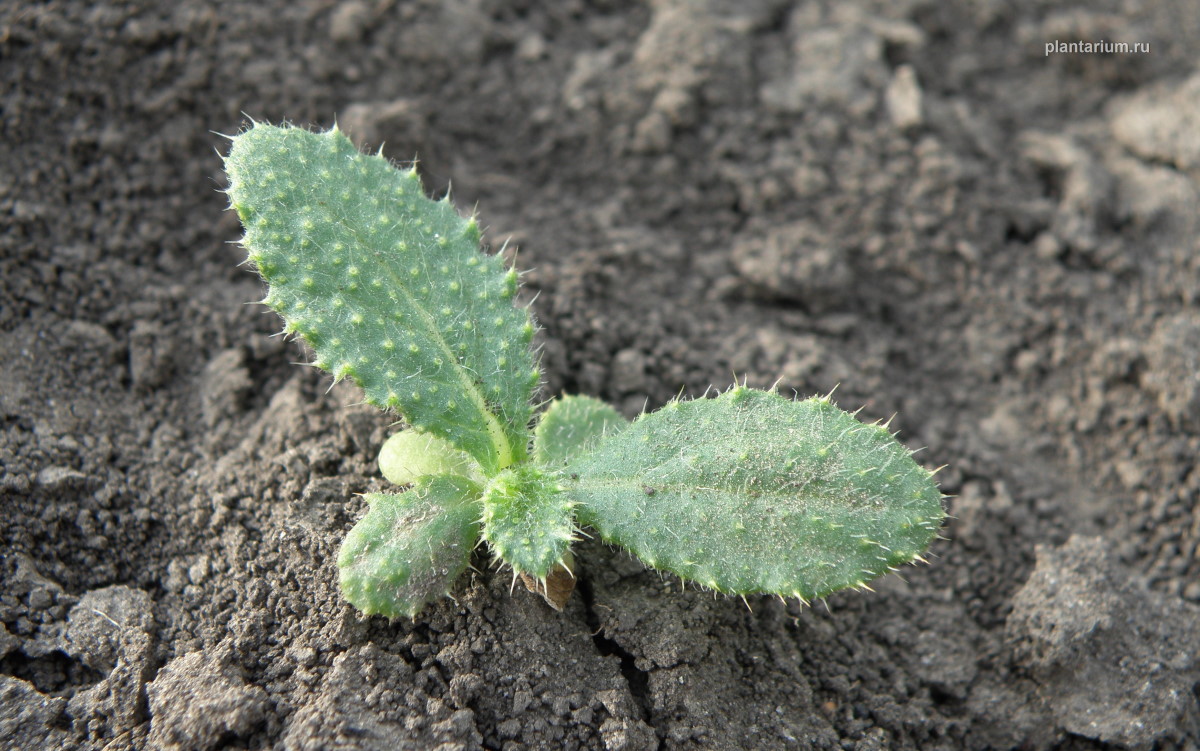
{"x": 637, "y": 679}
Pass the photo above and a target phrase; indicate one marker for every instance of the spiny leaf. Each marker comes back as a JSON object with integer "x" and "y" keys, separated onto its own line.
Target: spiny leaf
{"x": 751, "y": 492}
{"x": 410, "y": 547}
{"x": 570, "y": 426}
{"x": 388, "y": 287}
{"x": 527, "y": 521}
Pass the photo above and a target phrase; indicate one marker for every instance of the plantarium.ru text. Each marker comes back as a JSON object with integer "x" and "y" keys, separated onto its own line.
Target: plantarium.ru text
{"x": 747, "y": 492}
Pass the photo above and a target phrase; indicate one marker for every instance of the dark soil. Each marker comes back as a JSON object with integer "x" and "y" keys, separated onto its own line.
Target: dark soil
{"x": 907, "y": 200}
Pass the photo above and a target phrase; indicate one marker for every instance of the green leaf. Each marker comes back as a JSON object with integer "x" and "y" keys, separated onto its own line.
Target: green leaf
{"x": 750, "y": 492}
{"x": 570, "y": 426}
{"x": 408, "y": 455}
{"x": 410, "y": 547}
{"x": 388, "y": 287}
{"x": 527, "y": 520}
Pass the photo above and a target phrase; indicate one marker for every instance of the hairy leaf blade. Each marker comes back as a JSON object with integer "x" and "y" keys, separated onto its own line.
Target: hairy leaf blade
{"x": 388, "y": 287}
{"x": 527, "y": 521}
{"x": 410, "y": 547}
{"x": 751, "y": 492}
{"x": 570, "y": 426}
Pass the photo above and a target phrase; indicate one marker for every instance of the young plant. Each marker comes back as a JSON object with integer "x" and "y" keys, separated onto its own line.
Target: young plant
{"x": 747, "y": 492}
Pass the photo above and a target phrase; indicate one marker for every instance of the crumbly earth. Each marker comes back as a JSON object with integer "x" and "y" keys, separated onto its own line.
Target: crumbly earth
{"x": 907, "y": 200}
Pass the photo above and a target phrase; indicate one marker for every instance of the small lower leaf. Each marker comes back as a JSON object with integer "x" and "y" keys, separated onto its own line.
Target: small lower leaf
{"x": 570, "y": 426}
{"x": 527, "y": 521}
{"x": 410, "y": 547}
{"x": 410, "y": 455}
{"x": 751, "y": 492}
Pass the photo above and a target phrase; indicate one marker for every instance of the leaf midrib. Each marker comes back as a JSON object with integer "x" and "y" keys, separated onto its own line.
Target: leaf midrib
{"x": 492, "y": 423}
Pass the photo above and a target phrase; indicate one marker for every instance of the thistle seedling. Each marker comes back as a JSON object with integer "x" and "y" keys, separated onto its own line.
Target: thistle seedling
{"x": 747, "y": 492}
